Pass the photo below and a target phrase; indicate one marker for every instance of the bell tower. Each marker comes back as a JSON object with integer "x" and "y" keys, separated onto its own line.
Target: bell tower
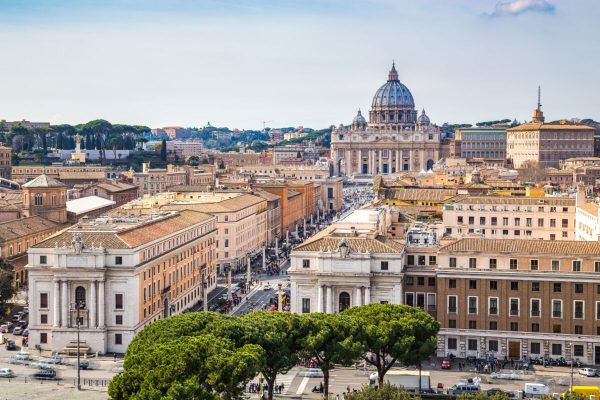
{"x": 46, "y": 197}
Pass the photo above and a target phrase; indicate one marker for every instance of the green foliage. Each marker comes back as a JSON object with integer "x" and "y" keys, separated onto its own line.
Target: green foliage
{"x": 392, "y": 333}
{"x": 484, "y": 396}
{"x": 495, "y": 122}
{"x": 384, "y": 392}
{"x": 163, "y": 150}
{"x": 7, "y": 290}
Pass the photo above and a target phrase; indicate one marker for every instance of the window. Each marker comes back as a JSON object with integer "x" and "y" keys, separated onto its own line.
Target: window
{"x": 471, "y": 220}
{"x": 452, "y": 262}
{"x": 535, "y": 347}
{"x": 80, "y": 295}
{"x": 493, "y": 263}
{"x": 596, "y": 266}
{"x": 576, "y": 266}
{"x": 578, "y": 309}
{"x": 535, "y": 327}
{"x": 409, "y": 280}
{"x": 533, "y": 265}
{"x": 514, "y": 306}
{"x": 579, "y": 329}
{"x": 528, "y": 222}
{"x": 553, "y": 223}
{"x": 472, "y": 300}
{"x": 556, "y": 349}
{"x": 514, "y": 263}
{"x": 472, "y": 284}
{"x": 421, "y": 260}
{"x": 118, "y": 338}
{"x": 305, "y": 306}
{"x": 432, "y": 260}
{"x": 535, "y": 286}
{"x": 493, "y": 325}
{"x": 411, "y": 260}
{"x": 514, "y": 326}
{"x": 43, "y": 318}
{"x": 452, "y": 344}
{"x": 43, "y": 300}
{"x": 452, "y": 301}
{"x": 493, "y": 305}
{"x": 410, "y": 299}
{"x": 517, "y": 221}
{"x": 556, "y": 308}
{"x": 579, "y": 288}
{"x": 43, "y": 260}
{"x": 43, "y": 338}
{"x": 472, "y": 263}
{"x": 384, "y": 265}
{"x": 555, "y": 265}
{"x": 505, "y": 221}
{"x": 492, "y": 345}
{"x": 514, "y": 285}
{"x": 565, "y": 223}
{"x": 578, "y": 350}
{"x": 557, "y": 287}
{"x": 493, "y": 285}
{"x": 540, "y": 222}
{"x": 119, "y": 301}
{"x": 494, "y": 221}
{"x": 119, "y": 260}
{"x": 452, "y": 283}
{"x": 305, "y": 263}
{"x": 598, "y": 310}
{"x": 118, "y": 320}
{"x": 38, "y": 199}
{"x": 420, "y": 280}
{"x": 452, "y": 323}
{"x": 535, "y": 308}
{"x": 459, "y": 219}
{"x": 431, "y": 281}
{"x": 472, "y": 344}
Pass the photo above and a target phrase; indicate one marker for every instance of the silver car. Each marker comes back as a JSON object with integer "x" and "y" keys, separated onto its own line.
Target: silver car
{"x": 6, "y": 373}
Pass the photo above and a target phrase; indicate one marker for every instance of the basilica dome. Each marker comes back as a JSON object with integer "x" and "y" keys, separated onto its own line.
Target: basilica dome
{"x": 423, "y": 119}
{"x": 393, "y": 93}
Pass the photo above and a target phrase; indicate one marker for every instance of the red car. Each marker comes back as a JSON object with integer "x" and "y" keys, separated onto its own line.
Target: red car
{"x": 446, "y": 364}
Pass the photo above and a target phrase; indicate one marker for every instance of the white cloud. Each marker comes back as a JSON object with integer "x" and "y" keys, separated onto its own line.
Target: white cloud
{"x": 517, "y": 7}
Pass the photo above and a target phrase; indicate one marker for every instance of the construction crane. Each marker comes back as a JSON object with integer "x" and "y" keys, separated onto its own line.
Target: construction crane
{"x": 265, "y": 124}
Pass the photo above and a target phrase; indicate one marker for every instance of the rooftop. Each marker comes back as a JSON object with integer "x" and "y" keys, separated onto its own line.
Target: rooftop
{"x": 43, "y": 181}
{"x": 86, "y": 204}
{"x": 357, "y": 245}
{"x": 25, "y": 226}
{"x": 526, "y": 247}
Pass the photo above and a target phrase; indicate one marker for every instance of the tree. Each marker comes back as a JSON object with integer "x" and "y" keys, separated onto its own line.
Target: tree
{"x": 19, "y": 137}
{"x": 140, "y": 142}
{"x": 383, "y": 392}
{"x": 193, "y": 161}
{"x": 531, "y": 171}
{"x": 163, "y": 150}
{"x": 329, "y": 339}
{"x": 7, "y": 288}
{"x": 279, "y": 336}
{"x": 390, "y": 332}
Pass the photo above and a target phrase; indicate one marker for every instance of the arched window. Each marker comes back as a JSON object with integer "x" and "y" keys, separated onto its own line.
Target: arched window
{"x": 344, "y": 301}
{"x": 38, "y": 199}
{"x": 80, "y": 295}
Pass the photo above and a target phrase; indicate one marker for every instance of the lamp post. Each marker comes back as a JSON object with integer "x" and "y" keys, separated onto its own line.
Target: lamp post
{"x": 279, "y": 298}
{"x": 204, "y": 295}
{"x": 229, "y": 295}
{"x": 572, "y": 362}
{"x": 78, "y": 306}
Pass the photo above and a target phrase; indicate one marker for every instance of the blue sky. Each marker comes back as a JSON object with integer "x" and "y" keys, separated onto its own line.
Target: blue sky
{"x": 304, "y": 62}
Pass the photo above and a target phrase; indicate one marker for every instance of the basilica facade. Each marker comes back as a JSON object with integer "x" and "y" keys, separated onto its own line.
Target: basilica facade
{"x": 395, "y": 139}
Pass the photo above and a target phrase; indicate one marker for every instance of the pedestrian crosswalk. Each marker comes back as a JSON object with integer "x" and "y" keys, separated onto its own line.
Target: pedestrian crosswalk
{"x": 286, "y": 380}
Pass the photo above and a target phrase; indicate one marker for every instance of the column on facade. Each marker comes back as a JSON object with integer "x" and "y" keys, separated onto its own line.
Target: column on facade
{"x": 374, "y": 167}
{"x": 64, "y": 296}
{"x": 367, "y": 295}
{"x": 92, "y": 322}
{"x": 397, "y": 294}
{"x": 320, "y": 298}
{"x": 348, "y": 156}
{"x": 56, "y": 318}
{"x": 380, "y": 161}
{"x": 101, "y": 304}
{"x": 329, "y": 304}
{"x": 398, "y": 154}
{"x": 358, "y": 301}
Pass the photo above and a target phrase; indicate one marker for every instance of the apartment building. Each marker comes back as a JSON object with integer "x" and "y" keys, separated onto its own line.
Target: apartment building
{"x": 124, "y": 271}
{"x": 5, "y": 162}
{"x": 151, "y": 181}
{"x": 119, "y": 192}
{"x": 505, "y": 217}
{"x": 69, "y": 175}
{"x": 519, "y": 298}
{"x": 186, "y": 149}
{"x": 486, "y": 143}
{"x": 294, "y": 204}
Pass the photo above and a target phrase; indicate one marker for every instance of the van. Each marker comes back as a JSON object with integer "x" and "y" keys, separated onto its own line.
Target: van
{"x": 535, "y": 390}
{"x": 585, "y": 391}
{"x": 461, "y": 388}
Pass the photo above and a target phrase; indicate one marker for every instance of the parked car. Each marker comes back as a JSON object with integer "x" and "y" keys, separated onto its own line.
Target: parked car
{"x": 4, "y": 328}
{"x": 84, "y": 364}
{"x": 26, "y": 332}
{"x": 45, "y": 374}
{"x": 587, "y": 372}
{"x": 117, "y": 370}
{"x": 55, "y": 359}
{"x": 15, "y": 318}
{"x": 18, "y": 330}
{"x": 22, "y": 356}
{"x": 267, "y": 286}
{"x": 461, "y": 388}
{"x": 446, "y": 364}
{"x": 10, "y": 345}
{"x": 312, "y": 373}
{"x": 6, "y": 373}
{"x": 43, "y": 364}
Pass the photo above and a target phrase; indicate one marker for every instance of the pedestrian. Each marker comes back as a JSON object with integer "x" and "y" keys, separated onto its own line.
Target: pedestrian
{"x": 115, "y": 357}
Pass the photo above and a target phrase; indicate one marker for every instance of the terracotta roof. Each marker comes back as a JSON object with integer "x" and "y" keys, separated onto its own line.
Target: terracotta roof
{"x": 116, "y": 186}
{"x": 24, "y": 227}
{"x": 534, "y": 126}
{"x": 591, "y": 208}
{"x": 267, "y": 195}
{"x": 292, "y": 193}
{"x": 357, "y": 245}
{"x": 429, "y": 194}
{"x": 97, "y": 175}
{"x": 523, "y": 246}
{"x": 107, "y": 240}
{"x": 532, "y": 201}
{"x": 234, "y": 204}
{"x": 43, "y": 181}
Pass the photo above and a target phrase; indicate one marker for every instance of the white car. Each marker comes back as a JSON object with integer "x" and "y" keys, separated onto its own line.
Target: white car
{"x": 312, "y": 373}
{"x": 6, "y": 373}
{"x": 22, "y": 356}
{"x": 587, "y": 372}
{"x": 267, "y": 286}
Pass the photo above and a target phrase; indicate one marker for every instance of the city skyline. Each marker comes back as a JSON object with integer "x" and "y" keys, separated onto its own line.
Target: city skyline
{"x": 184, "y": 63}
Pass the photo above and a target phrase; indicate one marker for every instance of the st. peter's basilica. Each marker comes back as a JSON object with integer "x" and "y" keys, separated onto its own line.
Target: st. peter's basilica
{"x": 395, "y": 139}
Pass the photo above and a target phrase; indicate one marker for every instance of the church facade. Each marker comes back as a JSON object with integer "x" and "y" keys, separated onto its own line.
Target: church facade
{"x": 396, "y": 139}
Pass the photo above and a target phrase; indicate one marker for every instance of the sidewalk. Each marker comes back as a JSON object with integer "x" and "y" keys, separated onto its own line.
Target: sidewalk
{"x": 242, "y": 301}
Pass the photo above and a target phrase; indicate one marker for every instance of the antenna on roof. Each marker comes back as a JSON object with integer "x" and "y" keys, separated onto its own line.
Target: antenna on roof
{"x": 539, "y": 104}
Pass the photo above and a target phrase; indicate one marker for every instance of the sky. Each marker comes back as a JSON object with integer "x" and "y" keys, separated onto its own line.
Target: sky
{"x": 311, "y": 63}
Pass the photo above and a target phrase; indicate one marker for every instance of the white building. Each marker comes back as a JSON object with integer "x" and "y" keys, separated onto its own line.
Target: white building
{"x": 126, "y": 271}
{"x": 187, "y": 149}
{"x": 349, "y": 264}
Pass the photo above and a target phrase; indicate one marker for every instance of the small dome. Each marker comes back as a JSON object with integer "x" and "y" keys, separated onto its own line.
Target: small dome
{"x": 423, "y": 119}
{"x": 359, "y": 119}
{"x": 393, "y": 93}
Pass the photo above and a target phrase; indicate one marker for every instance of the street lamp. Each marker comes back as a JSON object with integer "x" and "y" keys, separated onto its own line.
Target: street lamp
{"x": 279, "y": 298}
{"x": 78, "y": 306}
